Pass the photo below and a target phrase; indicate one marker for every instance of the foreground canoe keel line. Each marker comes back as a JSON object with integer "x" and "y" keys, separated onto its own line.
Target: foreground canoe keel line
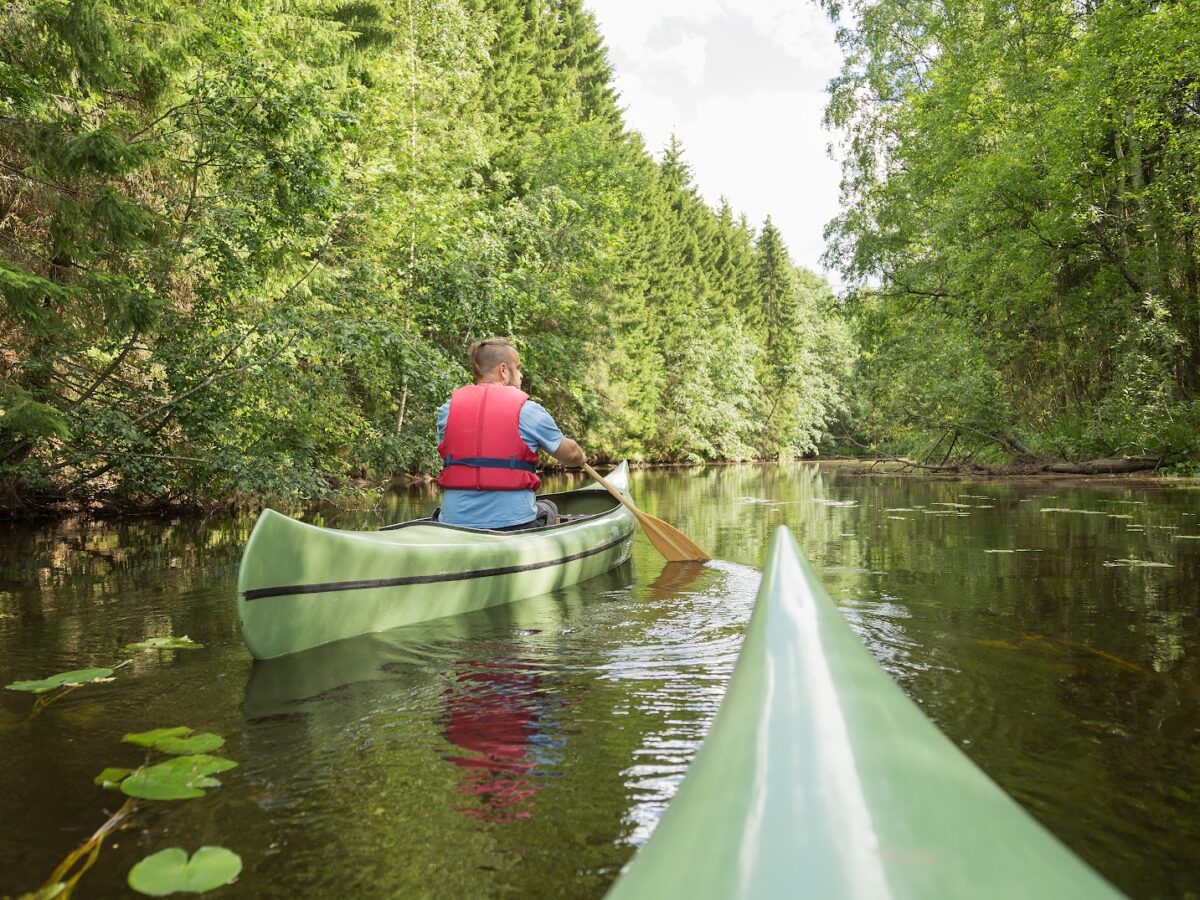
{"x": 820, "y": 778}
{"x": 301, "y": 585}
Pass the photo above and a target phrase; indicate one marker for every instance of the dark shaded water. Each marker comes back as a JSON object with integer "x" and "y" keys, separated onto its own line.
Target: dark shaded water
{"x": 1052, "y": 630}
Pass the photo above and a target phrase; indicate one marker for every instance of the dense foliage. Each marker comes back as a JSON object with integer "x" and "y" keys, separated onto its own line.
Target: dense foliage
{"x": 243, "y": 246}
{"x": 1022, "y": 220}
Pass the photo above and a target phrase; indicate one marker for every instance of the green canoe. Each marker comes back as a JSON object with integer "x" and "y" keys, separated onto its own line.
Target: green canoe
{"x": 301, "y": 585}
{"x": 820, "y": 778}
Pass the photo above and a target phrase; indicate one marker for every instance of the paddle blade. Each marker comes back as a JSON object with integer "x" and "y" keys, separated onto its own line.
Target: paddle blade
{"x": 673, "y": 544}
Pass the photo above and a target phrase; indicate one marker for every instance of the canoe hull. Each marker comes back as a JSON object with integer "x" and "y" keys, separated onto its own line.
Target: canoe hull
{"x": 821, "y": 778}
{"x": 301, "y": 585}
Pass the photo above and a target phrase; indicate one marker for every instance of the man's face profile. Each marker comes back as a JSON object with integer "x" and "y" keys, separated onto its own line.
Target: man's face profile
{"x": 514, "y": 370}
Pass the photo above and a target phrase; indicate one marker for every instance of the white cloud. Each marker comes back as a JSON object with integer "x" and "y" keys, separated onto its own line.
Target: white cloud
{"x": 688, "y": 55}
{"x": 743, "y": 87}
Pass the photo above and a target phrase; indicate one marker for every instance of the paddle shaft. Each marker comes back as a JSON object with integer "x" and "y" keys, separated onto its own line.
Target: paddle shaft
{"x": 603, "y": 482}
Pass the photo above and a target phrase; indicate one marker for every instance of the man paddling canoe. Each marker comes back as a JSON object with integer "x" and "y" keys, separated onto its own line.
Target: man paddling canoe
{"x": 489, "y": 434}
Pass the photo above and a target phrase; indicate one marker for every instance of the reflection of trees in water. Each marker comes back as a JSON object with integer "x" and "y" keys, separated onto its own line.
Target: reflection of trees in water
{"x": 499, "y": 714}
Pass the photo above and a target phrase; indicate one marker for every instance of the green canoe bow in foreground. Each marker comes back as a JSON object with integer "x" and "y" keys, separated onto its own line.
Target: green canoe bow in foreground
{"x": 301, "y": 585}
{"x": 820, "y": 778}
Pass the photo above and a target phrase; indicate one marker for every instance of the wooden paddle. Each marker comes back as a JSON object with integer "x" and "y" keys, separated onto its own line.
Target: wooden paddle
{"x": 670, "y": 542}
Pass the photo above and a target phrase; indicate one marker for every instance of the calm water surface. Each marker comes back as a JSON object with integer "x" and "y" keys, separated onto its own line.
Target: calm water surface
{"x": 1051, "y": 630}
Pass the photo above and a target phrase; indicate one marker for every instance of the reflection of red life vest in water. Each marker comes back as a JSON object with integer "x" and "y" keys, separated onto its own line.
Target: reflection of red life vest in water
{"x": 482, "y": 448}
{"x": 492, "y": 716}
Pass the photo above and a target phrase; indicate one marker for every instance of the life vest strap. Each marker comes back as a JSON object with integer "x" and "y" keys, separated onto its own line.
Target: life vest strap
{"x": 491, "y": 462}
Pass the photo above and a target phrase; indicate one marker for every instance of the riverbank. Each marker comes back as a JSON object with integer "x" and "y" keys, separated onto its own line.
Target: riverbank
{"x": 1139, "y": 468}
{"x": 359, "y": 492}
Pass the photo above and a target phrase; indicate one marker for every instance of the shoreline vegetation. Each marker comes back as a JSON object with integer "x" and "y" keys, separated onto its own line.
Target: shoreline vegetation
{"x": 365, "y": 491}
{"x": 243, "y": 248}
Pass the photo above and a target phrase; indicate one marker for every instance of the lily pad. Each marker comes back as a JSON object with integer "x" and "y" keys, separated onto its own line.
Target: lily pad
{"x": 176, "y": 779}
{"x": 1138, "y": 563}
{"x": 179, "y": 741}
{"x": 150, "y": 738}
{"x": 74, "y": 677}
{"x": 1086, "y": 512}
{"x": 169, "y": 871}
{"x": 1186, "y": 537}
{"x": 165, "y": 643}
{"x": 111, "y": 777}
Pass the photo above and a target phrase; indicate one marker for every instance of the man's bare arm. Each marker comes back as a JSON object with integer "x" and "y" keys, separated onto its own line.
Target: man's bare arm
{"x": 569, "y": 453}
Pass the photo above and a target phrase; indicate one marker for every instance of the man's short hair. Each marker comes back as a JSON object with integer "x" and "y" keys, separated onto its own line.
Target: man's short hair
{"x": 487, "y": 354}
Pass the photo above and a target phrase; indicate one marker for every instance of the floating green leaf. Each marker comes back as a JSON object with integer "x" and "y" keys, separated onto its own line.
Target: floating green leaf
{"x": 74, "y": 677}
{"x": 110, "y": 777}
{"x": 179, "y": 741}
{"x": 170, "y": 870}
{"x": 150, "y": 738}
{"x": 165, "y": 643}
{"x": 205, "y": 742}
{"x": 176, "y": 779}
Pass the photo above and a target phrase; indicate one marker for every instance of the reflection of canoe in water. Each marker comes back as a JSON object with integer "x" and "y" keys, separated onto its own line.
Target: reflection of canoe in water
{"x": 301, "y": 585}
{"x": 820, "y": 778}
{"x": 384, "y": 662}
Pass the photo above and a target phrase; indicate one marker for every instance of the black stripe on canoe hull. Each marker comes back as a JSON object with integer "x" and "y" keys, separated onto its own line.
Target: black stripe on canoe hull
{"x": 367, "y": 583}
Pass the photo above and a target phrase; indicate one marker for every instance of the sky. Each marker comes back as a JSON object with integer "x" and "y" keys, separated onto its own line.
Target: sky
{"x": 742, "y": 85}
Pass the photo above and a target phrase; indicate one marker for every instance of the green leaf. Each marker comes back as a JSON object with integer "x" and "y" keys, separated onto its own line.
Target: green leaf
{"x": 168, "y": 871}
{"x": 74, "y": 677}
{"x": 178, "y": 741}
{"x": 150, "y": 738}
{"x": 165, "y": 643}
{"x": 205, "y": 742}
{"x": 110, "y": 777}
{"x": 177, "y": 779}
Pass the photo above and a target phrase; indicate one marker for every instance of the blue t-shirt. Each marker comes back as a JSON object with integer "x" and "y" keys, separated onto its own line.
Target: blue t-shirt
{"x": 499, "y": 509}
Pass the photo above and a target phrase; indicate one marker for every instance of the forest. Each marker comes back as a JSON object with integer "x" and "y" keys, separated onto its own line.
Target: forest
{"x": 244, "y": 245}
{"x": 1021, "y": 221}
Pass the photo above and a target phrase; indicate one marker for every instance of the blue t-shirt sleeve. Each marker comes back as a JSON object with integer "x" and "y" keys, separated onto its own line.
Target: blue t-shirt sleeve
{"x": 443, "y": 418}
{"x": 538, "y": 429}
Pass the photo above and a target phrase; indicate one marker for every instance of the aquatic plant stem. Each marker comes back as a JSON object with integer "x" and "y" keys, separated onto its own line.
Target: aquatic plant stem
{"x": 46, "y": 699}
{"x": 89, "y": 849}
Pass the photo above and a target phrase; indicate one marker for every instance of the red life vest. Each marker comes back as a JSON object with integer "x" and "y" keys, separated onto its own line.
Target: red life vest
{"x": 482, "y": 449}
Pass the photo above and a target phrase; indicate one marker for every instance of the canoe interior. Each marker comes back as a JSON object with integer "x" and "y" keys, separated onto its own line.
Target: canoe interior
{"x": 573, "y": 504}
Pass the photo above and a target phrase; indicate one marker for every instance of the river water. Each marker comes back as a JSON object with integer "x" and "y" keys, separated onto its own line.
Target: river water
{"x": 1051, "y": 629}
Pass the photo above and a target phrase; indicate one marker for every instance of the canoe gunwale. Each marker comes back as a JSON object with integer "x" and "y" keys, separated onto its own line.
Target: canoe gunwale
{"x": 404, "y": 580}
